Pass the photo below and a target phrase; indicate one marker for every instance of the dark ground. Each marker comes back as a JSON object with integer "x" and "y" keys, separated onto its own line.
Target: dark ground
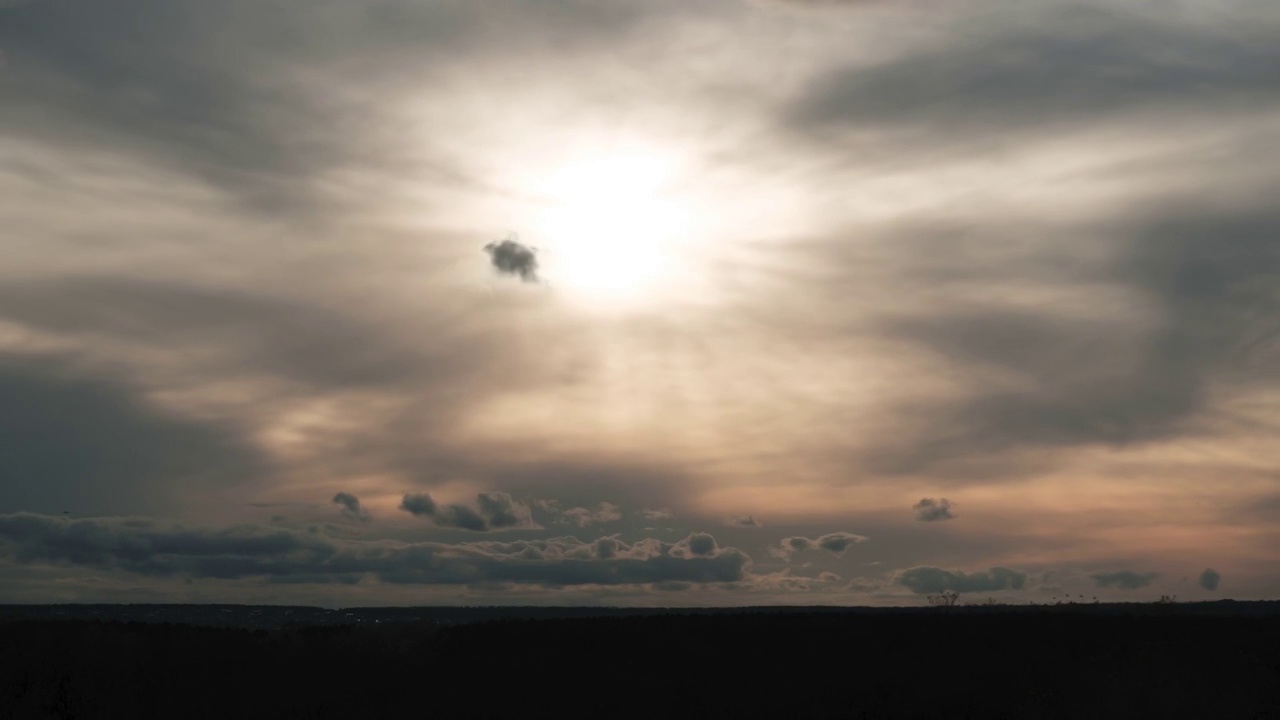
{"x": 1206, "y": 660}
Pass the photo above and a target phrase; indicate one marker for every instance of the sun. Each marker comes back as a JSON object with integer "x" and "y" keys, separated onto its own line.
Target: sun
{"x": 611, "y": 226}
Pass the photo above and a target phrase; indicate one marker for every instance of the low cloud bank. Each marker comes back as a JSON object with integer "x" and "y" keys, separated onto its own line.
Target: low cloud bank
{"x": 149, "y": 548}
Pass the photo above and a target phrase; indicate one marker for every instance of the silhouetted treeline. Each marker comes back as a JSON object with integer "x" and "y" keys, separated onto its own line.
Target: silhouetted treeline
{"x": 926, "y": 664}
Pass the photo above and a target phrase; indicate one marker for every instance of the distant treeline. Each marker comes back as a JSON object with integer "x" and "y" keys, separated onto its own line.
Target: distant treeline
{"x": 892, "y": 665}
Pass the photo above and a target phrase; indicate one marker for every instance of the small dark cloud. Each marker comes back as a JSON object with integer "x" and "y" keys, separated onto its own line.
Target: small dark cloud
{"x": 418, "y": 504}
{"x": 702, "y": 544}
{"x": 510, "y": 257}
{"x": 1124, "y": 579}
{"x": 922, "y": 580}
{"x": 930, "y": 510}
{"x": 1210, "y": 578}
{"x": 494, "y": 511}
{"x": 350, "y": 506}
{"x": 835, "y": 543}
{"x": 743, "y": 521}
{"x": 608, "y": 547}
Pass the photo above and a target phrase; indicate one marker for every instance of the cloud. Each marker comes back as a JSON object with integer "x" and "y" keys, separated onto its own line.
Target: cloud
{"x": 509, "y": 257}
{"x": 930, "y": 510}
{"x": 657, "y": 514}
{"x": 1023, "y": 77}
{"x": 1124, "y": 579}
{"x": 419, "y": 504}
{"x": 93, "y": 444}
{"x": 235, "y": 110}
{"x": 495, "y": 511}
{"x": 784, "y": 581}
{"x": 921, "y": 580}
{"x": 605, "y": 512}
{"x": 743, "y": 521}
{"x": 835, "y": 543}
{"x": 1053, "y": 378}
{"x": 311, "y": 344}
{"x": 146, "y": 547}
{"x": 702, "y": 544}
{"x": 500, "y": 510}
{"x": 1209, "y": 579}
{"x": 350, "y": 506}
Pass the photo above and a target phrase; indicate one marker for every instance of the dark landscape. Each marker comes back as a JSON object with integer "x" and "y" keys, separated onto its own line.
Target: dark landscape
{"x": 1162, "y": 660}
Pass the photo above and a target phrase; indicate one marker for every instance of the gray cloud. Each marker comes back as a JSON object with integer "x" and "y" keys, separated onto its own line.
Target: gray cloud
{"x": 702, "y": 544}
{"x": 835, "y": 543}
{"x": 305, "y": 342}
{"x": 1124, "y": 579}
{"x": 145, "y": 547}
{"x": 1210, "y": 280}
{"x": 496, "y": 511}
{"x": 930, "y": 510}
{"x": 923, "y": 580}
{"x": 419, "y": 504}
{"x": 88, "y": 445}
{"x": 1209, "y": 579}
{"x": 604, "y": 512}
{"x": 163, "y": 335}
{"x": 213, "y": 89}
{"x": 743, "y": 521}
{"x": 509, "y": 257}
{"x": 1073, "y": 64}
{"x": 350, "y": 506}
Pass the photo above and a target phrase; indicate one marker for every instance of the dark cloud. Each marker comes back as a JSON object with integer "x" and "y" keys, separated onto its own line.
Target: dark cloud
{"x": 91, "y": 445}
{"x": 743, "y": 521}
{"x": 500, "y": 511}
{"x": 930, "y": 510}
{"x": 145, "y": 547}
{"x": 1211, "y": 282}
{"x": 350, "y": 506}
{"x": 1075, "y": 64}
{"x": 702, "y": 544}
{"x": 496, "y": 511}
{"x": 1124, "y": 579}
{"x": 509, "y": 257}
{"x": 923, "y": 580}
{"x": 419, "y": 504}
{"x": 835, "y": 543}
{"x": 1209, "y": 579}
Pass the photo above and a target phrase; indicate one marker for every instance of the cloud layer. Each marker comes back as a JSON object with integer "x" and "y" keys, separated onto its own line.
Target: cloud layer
{"x": 866, "y": 256}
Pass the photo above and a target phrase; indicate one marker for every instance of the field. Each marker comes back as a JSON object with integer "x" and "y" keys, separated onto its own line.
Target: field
{"x": 1194, "y": 661}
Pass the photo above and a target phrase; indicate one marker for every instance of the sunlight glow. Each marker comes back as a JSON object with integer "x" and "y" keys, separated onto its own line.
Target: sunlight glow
{"x": 611, "y": 225}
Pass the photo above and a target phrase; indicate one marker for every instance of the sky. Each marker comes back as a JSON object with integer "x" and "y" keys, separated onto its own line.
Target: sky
{"x": 660, "y": 302}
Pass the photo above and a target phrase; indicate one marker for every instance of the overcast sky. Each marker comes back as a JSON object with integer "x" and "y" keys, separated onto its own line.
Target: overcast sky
{"x": 661, "y": 302}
